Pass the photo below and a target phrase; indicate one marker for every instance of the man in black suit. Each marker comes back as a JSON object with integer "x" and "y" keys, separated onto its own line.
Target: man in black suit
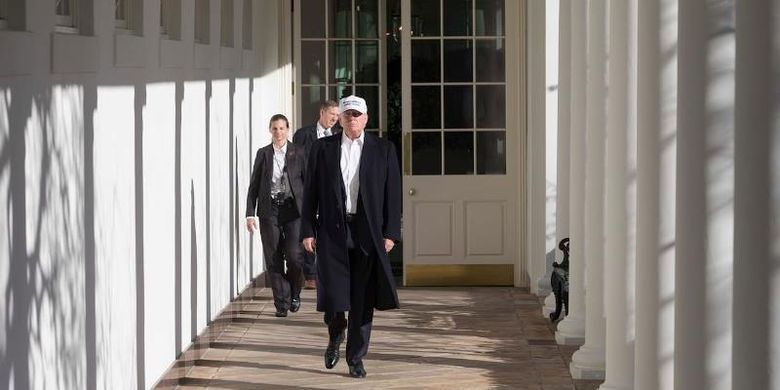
{"x": 305, "y": 136}
{"x": 276, "y": 195}
{"x": 354, "y": 183}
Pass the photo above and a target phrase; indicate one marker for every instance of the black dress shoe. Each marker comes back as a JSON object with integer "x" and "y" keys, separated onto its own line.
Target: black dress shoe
{"x": 281, "y": 313}
{"x": 357, "y": 371}
{"x": 295, "y": 304}
{"x": 332, "y": 353}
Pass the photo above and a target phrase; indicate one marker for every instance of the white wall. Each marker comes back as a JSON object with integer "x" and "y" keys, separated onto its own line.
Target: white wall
{"x": 124, "y": 163}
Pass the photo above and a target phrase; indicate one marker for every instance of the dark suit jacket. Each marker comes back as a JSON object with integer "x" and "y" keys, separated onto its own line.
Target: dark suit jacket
{"x": 380, "y": 197}
{"x": 258, "y": 199}
{"x": 305, "y": 136}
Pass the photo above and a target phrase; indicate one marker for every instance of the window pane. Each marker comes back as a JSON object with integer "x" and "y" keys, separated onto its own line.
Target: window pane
{"x": 426, "y": 107}
{"x": 367, "y": 18}
{"x": 458, "y": 106}
{"x": 425, "y": 18}
{"x": 426, "y": 153}
{"x": 371, "y": 95}
{"x": 367, "y": 69}
{"x": 458, "y": 60}
{"x": 490, "y": 17}
{"x": 426, "y": 61}
{"x": 459, "y": 153}
{"x": 310, "y": 99}
{"x": 457, "y": 18}
{"x": 340, "y": 19}
{"x": 226, "y": 25}
{"x": 337, "y": 92}
{"x": 247, "y": 25}
{"x": 491, "y": 103}
{"x": 62, "y": 7}
{"x": 119, "y": 10}
{"x": 491, "y": 152}
{"x": 312, "y": 62}
{"x": 490, "y": 60}
{"x": 312, "y": 19}
{"x": 341, "y": 61}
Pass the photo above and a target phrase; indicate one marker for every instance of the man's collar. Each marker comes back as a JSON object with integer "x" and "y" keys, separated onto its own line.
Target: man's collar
{"x": 346, "y": 140}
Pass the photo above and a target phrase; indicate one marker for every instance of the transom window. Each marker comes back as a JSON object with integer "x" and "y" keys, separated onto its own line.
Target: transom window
{"x": 122, "y": 14}
{"x": 170, "y": 19}
{"x": 340, "y": 51}
{"x": 202, "y": 29}
{"x": 247, "y": 24}
{"x": 226, "y": 25}
{"x": 458, "y": 87}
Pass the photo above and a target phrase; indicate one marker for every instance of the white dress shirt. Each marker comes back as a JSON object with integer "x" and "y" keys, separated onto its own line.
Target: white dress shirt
{"x": 279, "y": 163}
{"x": 322, "y": 132}
{"x": 350, "y": 169}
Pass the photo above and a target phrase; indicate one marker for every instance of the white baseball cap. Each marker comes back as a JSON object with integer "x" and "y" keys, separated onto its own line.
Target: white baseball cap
{"x": 353, "y": 102}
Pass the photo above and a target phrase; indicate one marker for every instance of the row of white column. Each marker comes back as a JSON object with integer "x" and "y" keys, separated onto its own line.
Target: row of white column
{"x": 669, "y": 188}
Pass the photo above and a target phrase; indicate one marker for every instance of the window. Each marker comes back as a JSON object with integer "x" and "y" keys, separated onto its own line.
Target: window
{"x": 122, "y": 14}
{"x": 226, "y": 25}
{"x": 66, "y": 13}
{"x": 247, "y": 24}
{"x": 170, "y": 11}
{"x": 3, "y": 14}
{"x": 202, "y": 21}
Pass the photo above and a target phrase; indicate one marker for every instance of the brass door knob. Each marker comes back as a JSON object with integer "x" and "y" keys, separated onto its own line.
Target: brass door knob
{"x": 412, "y": 191}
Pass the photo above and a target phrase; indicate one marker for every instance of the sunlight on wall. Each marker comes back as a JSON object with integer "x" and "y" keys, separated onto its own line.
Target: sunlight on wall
{"x": 551, "y": 105}
{"x": 193, "y": 184}
{"x": 243, "y": 159}
{"x": 222, "y": 258}
{"x": 5, "y": 202}
{"x": 115, "y": 239}
{"x": 159, "y": 121}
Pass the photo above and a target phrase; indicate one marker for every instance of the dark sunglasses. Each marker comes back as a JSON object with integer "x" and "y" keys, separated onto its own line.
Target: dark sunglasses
{"x": 353, "y": 113}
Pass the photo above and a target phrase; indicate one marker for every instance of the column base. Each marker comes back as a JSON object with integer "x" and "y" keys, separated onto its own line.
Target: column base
{"x": 571, "y": 331}
{"x": 549, "y": 306}
{"x": 588, "y": 363}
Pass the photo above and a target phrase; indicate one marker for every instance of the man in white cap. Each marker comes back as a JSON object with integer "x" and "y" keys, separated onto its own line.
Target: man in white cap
{"x": 353, "y": 182}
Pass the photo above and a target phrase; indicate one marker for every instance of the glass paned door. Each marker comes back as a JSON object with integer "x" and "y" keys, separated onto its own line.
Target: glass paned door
{"x": 339, "y": 51}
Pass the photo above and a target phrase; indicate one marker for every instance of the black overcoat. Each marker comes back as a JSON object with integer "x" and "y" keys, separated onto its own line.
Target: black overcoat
{"x": 258, "y": 199}
{"x": 380, "y": 194}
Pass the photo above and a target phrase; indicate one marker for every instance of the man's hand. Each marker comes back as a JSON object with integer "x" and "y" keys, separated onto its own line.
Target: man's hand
{"x": 389, "y": 244}
{"x": 251, "y": 224}
{"x": 310, "y": 244}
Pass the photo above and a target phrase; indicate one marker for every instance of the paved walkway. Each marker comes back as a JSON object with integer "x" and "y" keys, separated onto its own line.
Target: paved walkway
{"x": 443, "y": 338}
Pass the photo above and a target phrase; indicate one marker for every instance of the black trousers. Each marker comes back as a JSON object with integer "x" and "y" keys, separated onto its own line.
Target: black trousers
{"x": 362, "y": 278}
{"x": 281, "y": 244}
{"x": 309, "y": 266}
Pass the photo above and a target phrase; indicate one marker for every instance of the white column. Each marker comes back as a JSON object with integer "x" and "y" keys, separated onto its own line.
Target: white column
{"x": 757, "y": 199}
{"x": 705, "y": 193}
{"x": 564, "y": 113}
{"x": 656, "y": 189}
{"x": 537, "y": 97}
{"x": 588, "y": 361}
{"x": 571, "y": 330}
{"x": 620, "y": 227}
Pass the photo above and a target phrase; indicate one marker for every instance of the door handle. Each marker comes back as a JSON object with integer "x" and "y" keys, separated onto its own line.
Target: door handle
{"x": 412, "y": 191}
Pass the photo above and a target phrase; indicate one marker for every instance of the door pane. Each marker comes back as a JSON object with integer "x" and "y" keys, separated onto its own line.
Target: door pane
{"x": 310, "y": 100}
{"x": 312, "y": 20}
{"x": 341, "y": 61}
{"x": 426, "y": 107}
{"x": 340, "y": 19}
{"x": 457, "y": 17}
{"x": 491, "y": 106}
{"x": 367, "y": 18}
{"x": 340, "y": 91}
{"x": 458, "y": 107}
{"x": 459, "y": 153}
{"x": 425, "y": 18}
{"x": 458, "y": 60}
{"x": 490, "y": 60}
{"x": 371, "y": 94}
{"x": 313, "y": 62}
{"x": 490, "y": 17}
{"x": 426, "y": 153}
{"x": 426, "y": 61}
{"x": 491, "y": 152}
{"x": 367, "y": 67}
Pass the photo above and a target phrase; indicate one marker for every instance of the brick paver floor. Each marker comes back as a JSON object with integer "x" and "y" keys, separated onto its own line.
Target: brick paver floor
{"x": 442, "y": 338}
